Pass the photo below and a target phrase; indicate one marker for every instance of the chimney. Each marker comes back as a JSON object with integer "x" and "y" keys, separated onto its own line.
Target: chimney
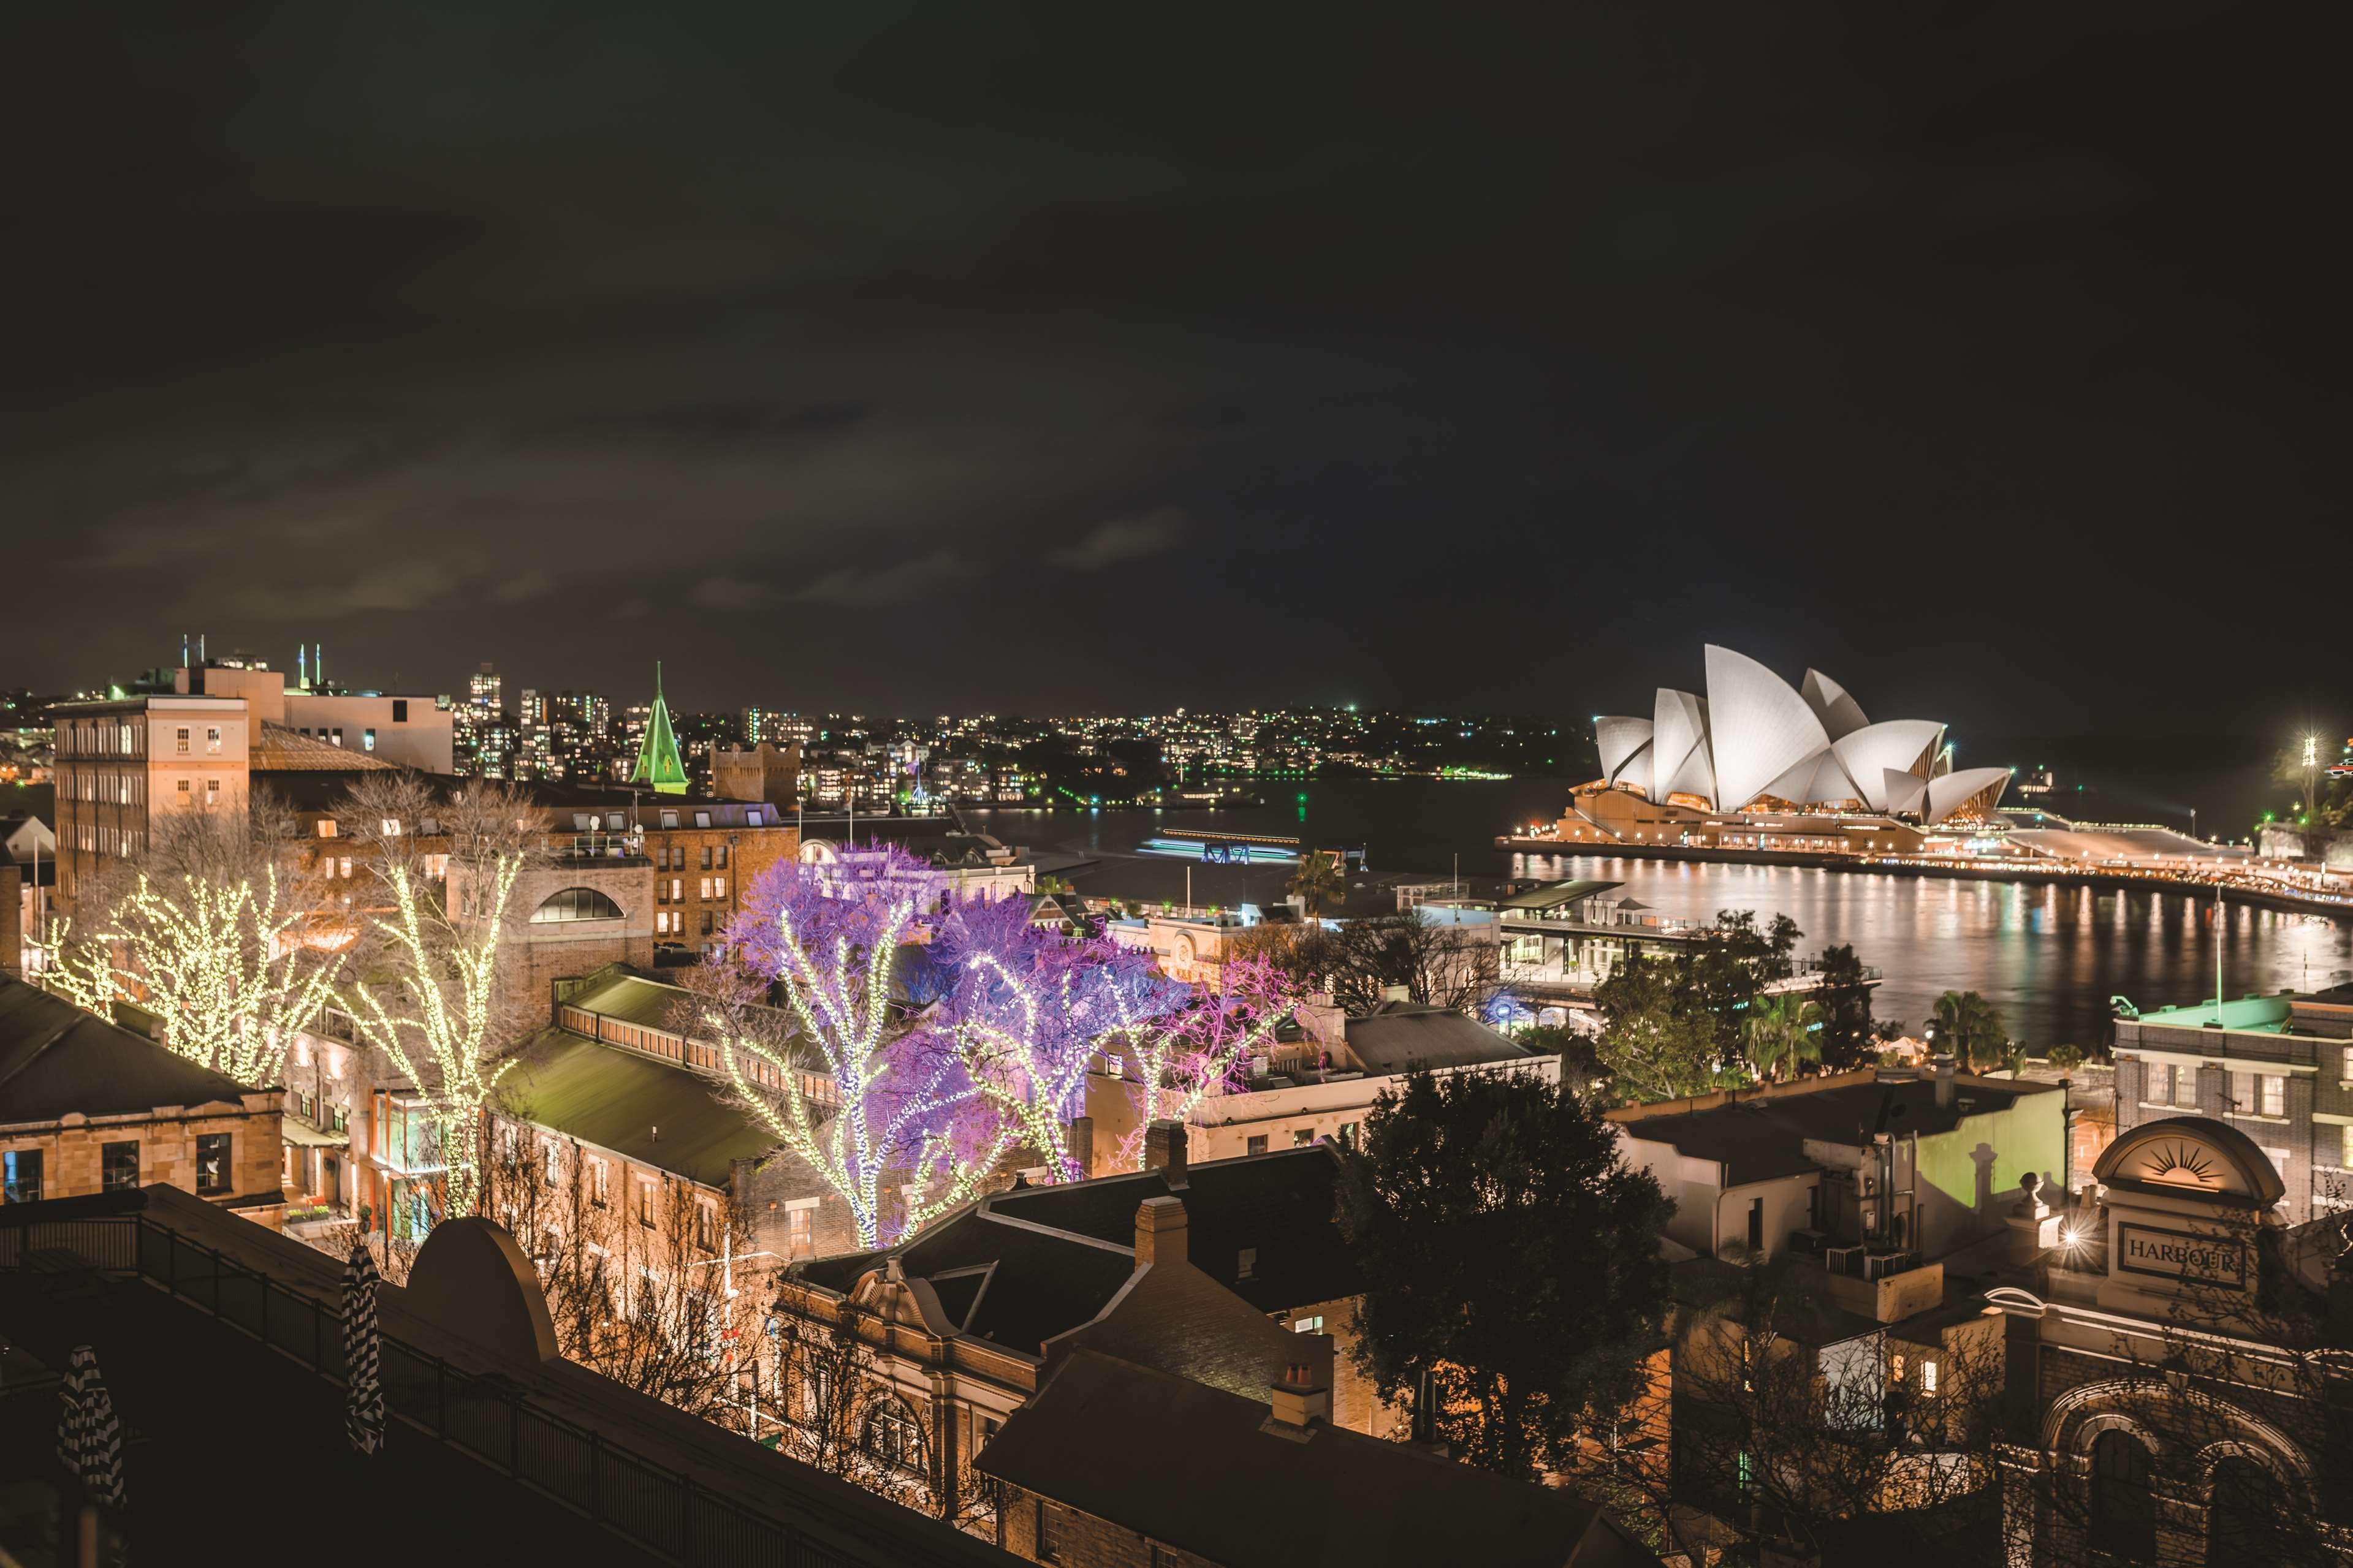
{"x": 1164, "y": 1151}
{"x": 1399, "y": 994}
{"x": 1321, "y": 1020}
{"x": 1160, "y": 1225}
{"x": 1301, "y": 1400}
{"x": 1944, "y": 1082}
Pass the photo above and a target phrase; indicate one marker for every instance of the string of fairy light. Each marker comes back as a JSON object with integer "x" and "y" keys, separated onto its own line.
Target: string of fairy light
{"x": 431, "y": 960}
{"x": 221, "y": 965}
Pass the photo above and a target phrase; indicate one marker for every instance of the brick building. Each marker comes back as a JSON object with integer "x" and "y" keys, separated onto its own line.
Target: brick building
{"x": 87, "y": 1106}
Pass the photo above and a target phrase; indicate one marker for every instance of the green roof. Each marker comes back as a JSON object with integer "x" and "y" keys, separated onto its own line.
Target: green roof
{"x": 658, "y": 763}
{"x": 2260, "y": 1014}
{"x": 647, "y": 1110}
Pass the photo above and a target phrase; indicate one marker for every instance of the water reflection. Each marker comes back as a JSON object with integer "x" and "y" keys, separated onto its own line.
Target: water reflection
{"x": 2049, "y": 957}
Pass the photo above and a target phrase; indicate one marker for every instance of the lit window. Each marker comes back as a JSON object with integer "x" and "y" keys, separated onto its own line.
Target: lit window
{"x": 212, "y": 738}
{"x": 801, "y": 1229}
{"x": 1313, "y": 1325}
{"x": 2274, "y": 1096}
{"x": 704, "y": 891}
{"x": 212, "y": 790}
{"x": 326, "y": 828}
{"x": 367, "y": 740}
{"x": 1927, "y": 1377}
{"x": 390, "y": 826}
{"x": 213, "y": 1163}
{"x": 645, "y": 1202}
{"x": 182, "y": 747}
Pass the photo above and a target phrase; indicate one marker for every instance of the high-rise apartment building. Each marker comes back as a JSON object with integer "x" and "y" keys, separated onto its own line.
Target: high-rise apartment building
{"x": 121, "y": 764}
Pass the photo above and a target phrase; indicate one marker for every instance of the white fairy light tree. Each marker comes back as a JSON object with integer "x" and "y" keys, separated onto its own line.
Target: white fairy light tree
{"x": 1173, "y": 1047}
{"x": 206, "y": 932}
{"x": 430, "y": 993}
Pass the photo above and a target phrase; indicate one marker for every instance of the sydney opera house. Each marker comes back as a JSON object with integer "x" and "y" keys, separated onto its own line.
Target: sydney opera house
{"x": 1788, "y": 760}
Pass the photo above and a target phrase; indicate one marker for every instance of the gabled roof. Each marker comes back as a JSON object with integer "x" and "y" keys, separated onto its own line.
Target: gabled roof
{"x": 1404, "y": 1035}
{"x": 56, "y": 1060}
{"x": 618, "y": 1100}
{"x": 1195, "y": 1467}
{"x": 1055, "y": 1255}
{"x": 275, "y": 748}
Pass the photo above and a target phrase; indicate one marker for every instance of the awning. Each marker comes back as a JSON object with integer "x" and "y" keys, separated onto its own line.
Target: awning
{"x": 302, "y": 1135}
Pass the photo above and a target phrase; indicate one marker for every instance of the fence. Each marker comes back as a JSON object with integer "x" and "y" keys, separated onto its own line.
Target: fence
{"x": 668, "y": 1513}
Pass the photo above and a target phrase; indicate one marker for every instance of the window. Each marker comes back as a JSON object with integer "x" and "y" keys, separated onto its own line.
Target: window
{"x": 1927, "y": 1377}
{"x": 2274, "y": 1097}
{"x": 1256, "y": 1145}
{"x": 554, "y": 1161}
{"x": 661, "y": 922}
{"x": 339, "y": 735}
{"x": 668, "y": 819}
{"x": 1045, "y": 1537}
{"x": 702, "y": 819}
{"x": 326, "y": 828}
{"x": 1349, "y": 1133}
{"x": 211, "y": 790}
{"x": 1895, "y": 1369}
{"x": 703, "y": 1227}
{"x": 212, "y": 1162}
{"x": 183, "y": 791}
{"x": 20, "y": 1177}
{"x": 723, "y": 865}
{"x": 2160, "y": 1086}
{"x": 212, "y": 738}
{"x": 801, "y": 1229}
{"x": 892, "y": 1436}
{"x": 719, "y": 886}
{"x": 1311, "y": 1325}
{"x": 677, "y": 884}
{"x": 646, "y": 1203}
{"x": 1301, "y": 1136}
{"x": 118, "y": 1165}
{"x": 1246, "y": 1263}
{"x": 2258, "y": 1094}
{"x": 399, "y": 712}
{"x": 600, "y": 1182}
{"x": 575, "y": 904}
{"x": 706, "y": 859}
{"x": 2243, "y": 1523}
{"x": 2124, "y": 1510}
{"x": 367, "y": 740}
{"x": 344, "y": 867}
{"x": 704, "y": 891}
{"x": 181, "y": 742}
{"x": 706, "y": 923}
{"x": 390, "y": 826}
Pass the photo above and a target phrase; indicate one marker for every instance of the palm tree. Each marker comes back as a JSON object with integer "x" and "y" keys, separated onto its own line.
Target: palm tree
{"x": 1783, "y": 1029}
{"x": 1318, "y": 878}
{"x": 1969, "y": 1026}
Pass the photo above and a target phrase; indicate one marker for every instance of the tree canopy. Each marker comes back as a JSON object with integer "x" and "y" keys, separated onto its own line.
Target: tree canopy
{"x": 1514, "y": 1283}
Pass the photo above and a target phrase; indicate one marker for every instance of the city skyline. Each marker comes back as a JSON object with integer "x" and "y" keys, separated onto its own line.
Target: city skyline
{"x": 722, "y": 335}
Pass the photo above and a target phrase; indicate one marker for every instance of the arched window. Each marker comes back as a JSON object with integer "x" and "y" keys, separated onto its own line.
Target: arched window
{"x": 575, "y": 904}
{"x": 2124, "y": 1510}
{"x": 892, "y": 1436}
{"x": 2242, "y": 1525}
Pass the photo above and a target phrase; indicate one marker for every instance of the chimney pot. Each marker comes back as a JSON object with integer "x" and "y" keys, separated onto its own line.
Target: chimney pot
{"x": 1944, "y": 1082}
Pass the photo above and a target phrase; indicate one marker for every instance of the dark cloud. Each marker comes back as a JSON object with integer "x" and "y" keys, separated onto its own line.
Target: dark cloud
{"x": 1123, "y": 539}
{"x": 1956, "y": 353}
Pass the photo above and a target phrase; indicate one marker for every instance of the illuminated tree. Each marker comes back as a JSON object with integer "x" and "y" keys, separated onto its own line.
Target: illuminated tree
{"x": 1173, "y": 1047}
{"x": 877, "y": 1109}
{"x": 428, "y": 993}
{"x": 223, "y": 966}
{"x": 206, "y": 931}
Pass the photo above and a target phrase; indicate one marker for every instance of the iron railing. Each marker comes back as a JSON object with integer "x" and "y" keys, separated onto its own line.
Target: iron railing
{"x": 663, "y": 1511}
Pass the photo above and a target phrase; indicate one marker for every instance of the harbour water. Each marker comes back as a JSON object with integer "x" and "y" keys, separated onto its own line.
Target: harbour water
{"x": 2049, "y": 958}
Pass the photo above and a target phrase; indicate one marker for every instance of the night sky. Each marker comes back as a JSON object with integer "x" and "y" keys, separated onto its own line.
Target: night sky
{"x": 963, "y": 358}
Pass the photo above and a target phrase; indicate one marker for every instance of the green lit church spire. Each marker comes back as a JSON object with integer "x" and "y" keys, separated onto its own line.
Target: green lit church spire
{"x": 658, "y": 764}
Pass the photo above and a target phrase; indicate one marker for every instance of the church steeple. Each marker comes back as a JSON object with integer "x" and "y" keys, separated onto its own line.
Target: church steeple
{"x": 659, "y": 767}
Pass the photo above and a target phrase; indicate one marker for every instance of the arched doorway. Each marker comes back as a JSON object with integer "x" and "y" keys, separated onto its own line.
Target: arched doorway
{"x": 2123, "y": 1507}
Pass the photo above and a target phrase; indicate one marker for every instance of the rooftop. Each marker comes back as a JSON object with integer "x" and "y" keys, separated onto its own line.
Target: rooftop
{"x": 1403, "y": 1035}
{"x": 1144, "y": 1449}
{"x": 56, "y": 1060}
{"x": 1760, "y": 1136}
{"x": 649, "y": 1111}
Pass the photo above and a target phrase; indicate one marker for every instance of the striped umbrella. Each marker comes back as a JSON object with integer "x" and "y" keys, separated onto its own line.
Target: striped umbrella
{"x": 362, "y": 1345}
{"x": 89, "y": 1438}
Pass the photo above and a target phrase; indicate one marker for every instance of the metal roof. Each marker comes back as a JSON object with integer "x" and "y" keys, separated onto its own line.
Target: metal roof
{"x": 1552, "y": 895}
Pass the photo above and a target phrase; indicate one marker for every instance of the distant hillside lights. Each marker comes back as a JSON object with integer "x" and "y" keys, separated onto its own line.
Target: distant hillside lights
{"x": 1755, "y": 738}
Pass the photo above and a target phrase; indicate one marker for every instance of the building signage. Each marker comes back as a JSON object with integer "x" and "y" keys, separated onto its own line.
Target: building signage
{"x": 2178, "y": 1255}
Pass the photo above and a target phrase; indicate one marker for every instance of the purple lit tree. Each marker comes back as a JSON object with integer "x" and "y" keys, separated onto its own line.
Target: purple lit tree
{"x": 1174, "y": 1046}
{"x": 871, "y": 1099}
{"x": 1027, "y": 1010}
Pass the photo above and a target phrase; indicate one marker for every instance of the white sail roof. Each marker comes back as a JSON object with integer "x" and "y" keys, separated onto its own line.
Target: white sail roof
{"x": 1761, "y": 727}
{"x": 1679, "y": 747}
{"x": 1895, "y": 745}
{"x": 1620, "y": 740}
{"x": 1905, "y": 792}
{"x": 1820, "y": 780}
{"x": 1840, "y": 714}
{"x": 1950, "y": 793}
